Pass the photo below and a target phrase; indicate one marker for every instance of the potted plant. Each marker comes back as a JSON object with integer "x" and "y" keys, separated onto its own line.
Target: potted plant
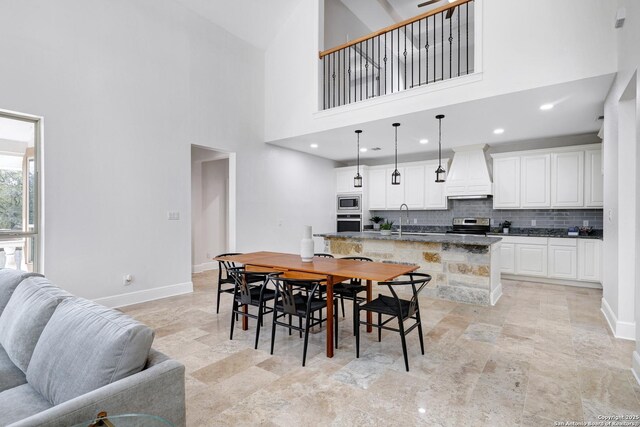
{"x": 385, "y": 229}
{"x": 505, "y": 226}
{"x": 376, "y": 220}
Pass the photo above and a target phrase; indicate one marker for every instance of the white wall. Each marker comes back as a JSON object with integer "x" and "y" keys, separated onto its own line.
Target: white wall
{"x": 341, "y": 25}
{"x": 125, "y": 88}
{"x": 621, "y": 288}
{"x": 525, "y": 44}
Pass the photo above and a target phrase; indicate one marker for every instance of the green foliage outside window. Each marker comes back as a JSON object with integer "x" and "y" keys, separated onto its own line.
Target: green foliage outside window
{"x": 10, "y": 200}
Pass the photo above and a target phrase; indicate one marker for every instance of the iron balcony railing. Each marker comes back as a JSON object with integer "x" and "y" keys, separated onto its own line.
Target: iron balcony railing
{"x": 431, "y": 47}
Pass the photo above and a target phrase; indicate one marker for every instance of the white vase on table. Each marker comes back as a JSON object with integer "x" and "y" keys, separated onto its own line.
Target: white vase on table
{"x": 306, "y": 245}
{"x": 3, "y": 258}
{"x": 17, "y": 256}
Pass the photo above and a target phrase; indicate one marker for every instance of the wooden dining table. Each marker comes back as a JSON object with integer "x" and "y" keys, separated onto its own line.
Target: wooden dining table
{"x": 333, "y": 270}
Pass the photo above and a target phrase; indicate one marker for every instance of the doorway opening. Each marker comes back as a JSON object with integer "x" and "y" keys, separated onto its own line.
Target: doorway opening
{"x": 213, "y": 206}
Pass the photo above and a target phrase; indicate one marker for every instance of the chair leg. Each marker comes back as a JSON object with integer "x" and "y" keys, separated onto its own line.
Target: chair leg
{"x": 420, "y": 331}
{"x": 404, "y": 342}
{"x": 306, "y": 341}
{"x": 342, "y": 304}
{"x": 379, "y": 328}
{"x": 273, "y": 330}
{"x": 357, "y": 328}
{"x": 335, "y": 320}
{"x": 289, "y": 324}
{"x": 258, "y": 325}
{"x": 233, "y": 317}
{"x": 300, "y": 325}
{"x": 218, "y": 302}
{"x": 355, "y": 314}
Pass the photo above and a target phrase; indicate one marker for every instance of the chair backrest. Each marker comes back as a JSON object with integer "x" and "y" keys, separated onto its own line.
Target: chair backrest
{"x": 245, "y": 280}
{"x": 417, "y": 281}
{"x": 287, "y": 289}
{"x": 321, "y": 255}
{"x": 224, "y": 266}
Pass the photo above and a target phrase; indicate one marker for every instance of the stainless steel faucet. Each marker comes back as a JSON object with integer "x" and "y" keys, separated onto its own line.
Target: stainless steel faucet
{"x": 405, "y": 205}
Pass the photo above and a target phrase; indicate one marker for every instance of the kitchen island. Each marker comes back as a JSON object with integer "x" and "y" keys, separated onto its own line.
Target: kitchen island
{"x": 463, "y": 268}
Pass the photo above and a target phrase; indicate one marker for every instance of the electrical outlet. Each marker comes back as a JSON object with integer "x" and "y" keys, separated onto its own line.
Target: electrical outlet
{"x": 415, "y": 220}
{"x": 585, "y": 223}
{"x": 127, "y": 279}
{"x": 533, "y": 222}
{"x": 173, "y": 216}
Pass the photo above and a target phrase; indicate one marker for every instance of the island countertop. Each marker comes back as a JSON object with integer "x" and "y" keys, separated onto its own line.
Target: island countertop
{"x": 416, "y": 237}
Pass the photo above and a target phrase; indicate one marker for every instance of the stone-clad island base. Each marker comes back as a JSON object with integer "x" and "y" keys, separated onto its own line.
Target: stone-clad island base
{"x": 463, "y": 268}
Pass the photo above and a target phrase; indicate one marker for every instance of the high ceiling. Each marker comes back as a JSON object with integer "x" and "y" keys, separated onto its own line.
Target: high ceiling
{"x": 577, "y": 106}
{"x": 254, "y": 21}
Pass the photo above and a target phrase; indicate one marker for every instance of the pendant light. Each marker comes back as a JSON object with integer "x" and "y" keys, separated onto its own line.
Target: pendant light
{"x": 357, "y": 180}
{"x": 440, "y": 171}
{"x": 395, "y": 176}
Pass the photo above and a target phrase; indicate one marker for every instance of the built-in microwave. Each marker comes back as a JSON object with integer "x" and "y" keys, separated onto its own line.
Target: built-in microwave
{"x": 349, "y": 203}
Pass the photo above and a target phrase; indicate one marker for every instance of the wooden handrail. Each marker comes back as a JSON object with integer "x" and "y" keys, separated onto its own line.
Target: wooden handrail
{"x": 394, "y": 26}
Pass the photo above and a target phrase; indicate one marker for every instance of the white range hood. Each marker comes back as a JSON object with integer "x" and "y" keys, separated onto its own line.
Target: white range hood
{"x": 470, "y": 175}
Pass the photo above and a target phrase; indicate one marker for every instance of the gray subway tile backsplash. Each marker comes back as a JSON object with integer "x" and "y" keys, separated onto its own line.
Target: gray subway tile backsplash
{"x": 483, "y": 208}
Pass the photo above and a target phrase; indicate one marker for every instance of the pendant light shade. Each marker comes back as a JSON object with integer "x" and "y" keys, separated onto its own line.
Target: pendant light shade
{"x": 395, "y": 176}
{"x": 440, "y": 172}
{"x": 357, "y": 180}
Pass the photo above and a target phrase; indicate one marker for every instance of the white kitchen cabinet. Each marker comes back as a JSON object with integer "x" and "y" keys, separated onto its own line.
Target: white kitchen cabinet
{"x": 469, "y": 174}
{"x": 534, "y": 184}
{"x": 395, "y": 193}
{"x": 531, "y": 259}
{"x": 414, "y": 183}
{"x": 378, "y": 188}
{"x": 506, "y": 183}
{"x": 590, "y": 260}
{"x": 563, "y": 255}
{"x": 507, "y": 258}
{"x": 344, "y": 180}
{"x": 567, "y": 179}
{"x": 593, "y": 179}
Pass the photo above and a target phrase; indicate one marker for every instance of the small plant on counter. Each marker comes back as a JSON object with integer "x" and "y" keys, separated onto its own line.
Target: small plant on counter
{"x": 385, "y": 228}
{"x": 376, "y": 220}
{"x": 506, "y": 225}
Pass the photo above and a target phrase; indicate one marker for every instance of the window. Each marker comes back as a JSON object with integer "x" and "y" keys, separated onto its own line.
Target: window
{"x": 19, "y": 185}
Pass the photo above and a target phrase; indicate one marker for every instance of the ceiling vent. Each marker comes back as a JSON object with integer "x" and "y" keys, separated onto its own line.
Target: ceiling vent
{"x": 620, "y": 17}
{"x": 376, "y": 149}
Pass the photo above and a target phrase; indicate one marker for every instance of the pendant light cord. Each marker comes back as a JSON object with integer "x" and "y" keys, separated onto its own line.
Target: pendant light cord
{"x": 396, "y": 147}
{"x": 440, "y": 142}
{"x": 358, "y": 156}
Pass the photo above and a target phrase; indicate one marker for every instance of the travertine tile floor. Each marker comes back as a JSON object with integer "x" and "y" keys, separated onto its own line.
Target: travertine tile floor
{"x": 542, "y": 354}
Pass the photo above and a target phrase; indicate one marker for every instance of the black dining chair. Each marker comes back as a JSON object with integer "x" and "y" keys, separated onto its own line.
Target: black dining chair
{"x": 226, "y": 283}
{"x": 298, "y": 298}
{"x": 396, "y": 308}
{"x": 251, "y": 290}
{"x": 350, "y": 290}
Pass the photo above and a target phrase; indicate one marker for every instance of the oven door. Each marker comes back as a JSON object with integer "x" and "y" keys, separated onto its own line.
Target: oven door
{"x": 351, "y": 223}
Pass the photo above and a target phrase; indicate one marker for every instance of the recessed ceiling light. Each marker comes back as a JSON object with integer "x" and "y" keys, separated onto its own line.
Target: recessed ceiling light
{"x": 424, "y": 141}
{"x": 313, "y": 145}
{"x": 363, "y": 150}
{"x": 498, "y": 131}
{"x": 422, "y": 410}
{"x": 545, "y": 107}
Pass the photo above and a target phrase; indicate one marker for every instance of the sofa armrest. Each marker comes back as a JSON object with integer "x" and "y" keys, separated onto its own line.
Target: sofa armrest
{"x": 158, "y": 390}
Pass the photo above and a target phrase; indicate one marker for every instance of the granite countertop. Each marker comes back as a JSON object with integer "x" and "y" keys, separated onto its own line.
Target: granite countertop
{"x": 407, "y": 236}
{"x": 545, "y": 232}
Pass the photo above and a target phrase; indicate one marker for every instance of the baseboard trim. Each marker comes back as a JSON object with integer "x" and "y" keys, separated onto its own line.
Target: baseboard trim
{"x": 137, "y": 297}
{"x": 205, "y": 266}
{"x": 622, "y": 330}
{"x": 496, "y": 294}
{"x": 635, "y": 365}
{"x": 550, "y": 281}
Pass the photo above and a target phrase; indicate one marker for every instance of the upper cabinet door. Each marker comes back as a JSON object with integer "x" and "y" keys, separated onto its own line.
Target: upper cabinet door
{"x": 567, "y": 179}
{"x": 593, "y": 185}
{"x": 344, "y": 180}
{"x": 506, "y": 183}
{"x": 414, "y": 183}
{"x": 377, "y": 188}
{"x": 435, "y": 196}
{"x": 534, "y": 184}
{"x": 395, "y": 193}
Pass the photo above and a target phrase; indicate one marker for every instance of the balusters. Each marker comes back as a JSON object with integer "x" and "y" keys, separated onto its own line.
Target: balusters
{"x": 383, "y": 63}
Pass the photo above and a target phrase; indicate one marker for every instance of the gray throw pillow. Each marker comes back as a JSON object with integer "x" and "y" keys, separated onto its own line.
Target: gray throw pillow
{"x": 93, "y": 346}
{"x": 9, "y": 280}
{"x": 25, "y": 316}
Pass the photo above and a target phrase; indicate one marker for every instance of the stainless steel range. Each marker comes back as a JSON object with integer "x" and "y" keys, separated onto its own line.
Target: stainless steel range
{"x": 477, "y": 226}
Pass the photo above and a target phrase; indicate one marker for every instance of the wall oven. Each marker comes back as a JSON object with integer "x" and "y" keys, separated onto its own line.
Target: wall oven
{"x": 349, "y": 222}
{"x": 349, "y": 203}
